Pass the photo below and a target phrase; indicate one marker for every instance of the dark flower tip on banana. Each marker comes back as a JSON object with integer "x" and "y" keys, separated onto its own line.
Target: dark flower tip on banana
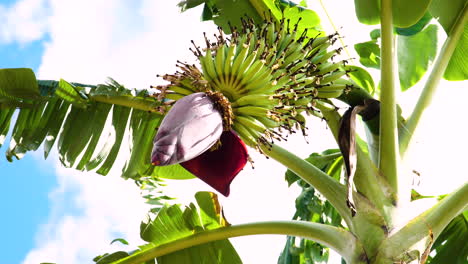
{"x": 253, "y": 84}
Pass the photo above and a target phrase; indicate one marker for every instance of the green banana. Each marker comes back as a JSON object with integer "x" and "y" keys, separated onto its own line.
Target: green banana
{"x": 209, "y": 64}
{"x": 268, "y": 122}
{"x": 332, "y": 77}
{"x": 244, "y": 134}
{"x": 329, "y": 94}
{"x": 323, "y": 57}
{"x": 255, "y": 100}
{"x": 328, "y": 67}
{"x": 254, "y": 69}
{"x": 320, "y": 41}
{"x": 174, "y": 96}
{"x": 251, "y": 110}
{"x": 331, "y": 87}
{"x": 229, "y": 59}
{"x": 252, "y": 123}
{"x": 219, "y": 60}
{"x": 181, "y": 90}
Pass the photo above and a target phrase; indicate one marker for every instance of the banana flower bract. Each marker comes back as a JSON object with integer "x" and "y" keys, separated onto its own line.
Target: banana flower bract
{"x": 188, "y": 134}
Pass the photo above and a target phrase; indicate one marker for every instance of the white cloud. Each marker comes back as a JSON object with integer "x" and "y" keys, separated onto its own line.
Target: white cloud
{"x": 87, "y": 212}
{"x": 101, "y": 44}
{"x": 23, "y": 22}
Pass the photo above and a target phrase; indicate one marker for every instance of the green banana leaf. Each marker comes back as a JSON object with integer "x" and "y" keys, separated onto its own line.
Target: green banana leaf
{"x": 416, "y": 52}
{"x": 18, "y": 85}
{"x": 230, "y": 12}
{"x": 176, "y": 222}
{"x": 73, "y": 117}
{"x": 310, "y": 207}
{"x": 448, "y": 15}
{"x": 451, "y": 246}
{"x": 414, "y": 29}
{"x": 405, "y": 12}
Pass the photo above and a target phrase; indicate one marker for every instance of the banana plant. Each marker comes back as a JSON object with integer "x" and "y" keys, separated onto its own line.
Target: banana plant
{"x": 269, "y": 65}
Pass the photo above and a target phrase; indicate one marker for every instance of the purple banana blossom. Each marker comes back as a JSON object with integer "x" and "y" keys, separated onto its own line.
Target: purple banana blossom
{"x": 219, "y": 167}
{"x": 188, "y": 131}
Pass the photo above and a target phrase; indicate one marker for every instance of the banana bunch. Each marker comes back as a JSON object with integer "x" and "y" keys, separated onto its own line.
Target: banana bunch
{"x": 262, "y": 77}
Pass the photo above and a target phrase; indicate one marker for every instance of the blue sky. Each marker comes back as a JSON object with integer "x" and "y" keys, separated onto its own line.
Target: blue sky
{"x": 25, "y": 204}
{"x": 25, "y": 184}
{"x": 27, "y": 55}
{"x": 54, "y": 214}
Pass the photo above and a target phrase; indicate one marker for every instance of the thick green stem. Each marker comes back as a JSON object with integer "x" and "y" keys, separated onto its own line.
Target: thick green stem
{"x": 366, "y": 224}
{"x": 48, "y": 87}
{"x": 338, "y": 239}
{"x": 332, "y": 117}
{"x": 330, "y": 188}
{"x": 373, "y": 214}
{"x": 432, "y": 221}
{"x": 388, "y": 154}
{"x": 433, "y": 81}
{"x": 128, "y": 101}
{"x": 373, "y": 186}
